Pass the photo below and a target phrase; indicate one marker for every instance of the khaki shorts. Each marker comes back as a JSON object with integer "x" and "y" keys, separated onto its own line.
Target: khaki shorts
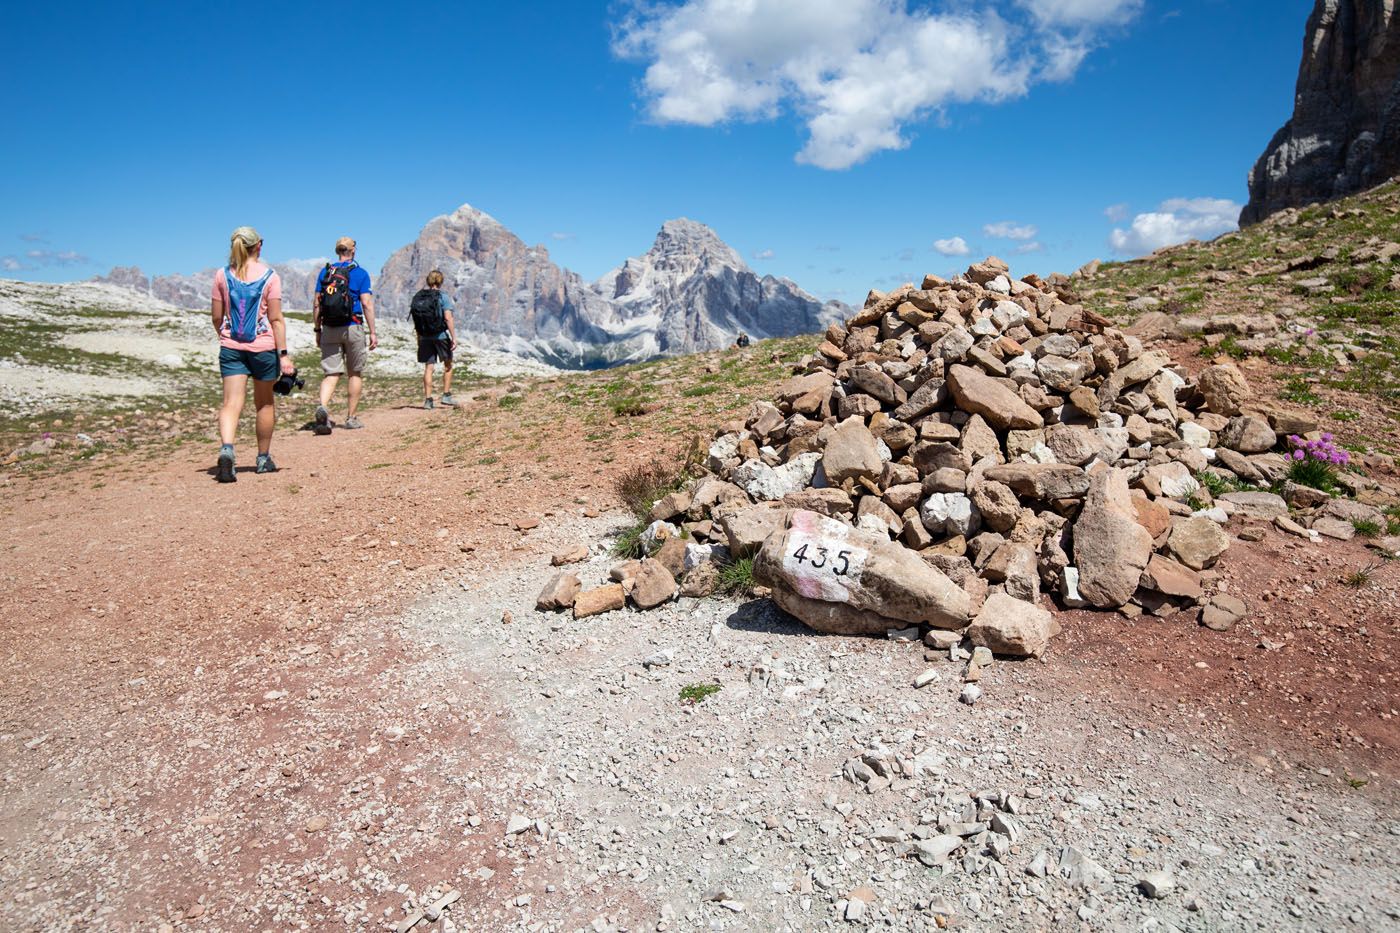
{"x": 344, "y": 349}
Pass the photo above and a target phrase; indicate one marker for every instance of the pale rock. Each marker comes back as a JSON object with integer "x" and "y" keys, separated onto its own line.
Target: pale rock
{"x": 949, "y": 513}
{"x": 1197, "y": 542}
{"x": 1110, "y": 548}
{"x": 1011, "y": 626}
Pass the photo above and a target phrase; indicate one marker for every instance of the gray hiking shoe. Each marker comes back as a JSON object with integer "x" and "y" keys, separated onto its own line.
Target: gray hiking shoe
{"x": 448, "y": 401}
{"x": 225, "y": 469}
{"x": 323, "y": 421}
{"x": 428, "y": 402}
{"x": 353, "y": 423}
{"x": 265, "y": 464}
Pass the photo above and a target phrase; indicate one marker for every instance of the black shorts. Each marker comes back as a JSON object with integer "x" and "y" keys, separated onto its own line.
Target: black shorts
{"x": 434, "y": 350}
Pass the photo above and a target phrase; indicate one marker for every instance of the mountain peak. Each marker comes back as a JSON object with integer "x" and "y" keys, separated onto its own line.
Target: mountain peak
{"x": 686, "y": 242}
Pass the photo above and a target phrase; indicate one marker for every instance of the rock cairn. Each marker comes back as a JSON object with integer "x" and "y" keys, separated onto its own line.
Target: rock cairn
{"x": 952, "y": 451}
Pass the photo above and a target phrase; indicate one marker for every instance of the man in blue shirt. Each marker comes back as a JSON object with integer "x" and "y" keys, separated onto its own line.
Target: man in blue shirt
{"x": 344, "y": 322}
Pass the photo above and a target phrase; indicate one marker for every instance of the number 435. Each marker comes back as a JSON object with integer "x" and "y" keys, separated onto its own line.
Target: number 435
{"x": 841, "y": 566}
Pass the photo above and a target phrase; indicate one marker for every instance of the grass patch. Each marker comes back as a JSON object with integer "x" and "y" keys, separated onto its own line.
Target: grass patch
{"x": 629, "y": 543}
{"x": 1359, "y": 577}
{"x": 1367, "y": 528}
{"x": 736, "y": 577}
{"x": 694, "y": 694}
{"x": 1215, "y": 483}
{"x": 511, "y": 401}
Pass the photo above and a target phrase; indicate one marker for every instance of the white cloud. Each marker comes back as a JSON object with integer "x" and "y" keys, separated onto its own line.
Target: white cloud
{"x": 856, "y": 71}
{"x": 763, "y": 254}
{"x": 1116, "y": 213}
{"x": 41, "y": 258}
{"x": 557, "y": 235}
{"x": 953, "y": 246}
{"x": 1082, "y": 13}
{"x": 1175, "y": 221}
{"x": 33, "y": 237}
{"x": 1035, "y": 246}
{"x": 10, "y": 264}
{"x": 1010, "y": 230}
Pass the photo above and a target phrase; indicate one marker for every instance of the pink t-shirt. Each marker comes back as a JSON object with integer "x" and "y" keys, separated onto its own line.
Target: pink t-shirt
{"x": 273, "y": 289}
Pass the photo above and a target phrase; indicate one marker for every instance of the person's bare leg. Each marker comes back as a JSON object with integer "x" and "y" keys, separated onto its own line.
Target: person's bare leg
{"x": 263, "y": 399}
{"x": 235, "y": 388}
{"x": 427, "y": 380}
{"x": 447, "y": 378}
{"x": 353, "y": 385}
{"x": 328, "y": 385}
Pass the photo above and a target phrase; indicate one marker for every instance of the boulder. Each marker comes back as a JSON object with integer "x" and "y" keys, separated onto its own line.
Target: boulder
{"x": 1011, "y": 626}
{"x": 1222, "y": 612}
{"x": 1255, "y": 504}
{"x": 746, "y": 527}
{"x": 1197, "y": 542}
{"x": 1248, "y": 435}
{"x": 1043, "y": 481}
{"x": 980, "y": 394}
{"x": 827, "y": 501}
{"x": 653, "y": 584}
{"x": 1224, "y": 389}
{"x": 949, "y": 513}
{"x": 1170, "y": 578}
{"x": 558, "y": 593}
{"x": 821, "y": 559}
{"x": 851, "y": 453}
{"x": 997, "y": 504}
{"x": 597, "y": 601}
{"x": 764, "y": 483}
{"x": 1111, "y": 549}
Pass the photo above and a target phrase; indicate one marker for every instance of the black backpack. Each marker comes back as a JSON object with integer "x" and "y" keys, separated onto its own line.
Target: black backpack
{"x": 426, "y": 311}
{"x": 337, "y": 301}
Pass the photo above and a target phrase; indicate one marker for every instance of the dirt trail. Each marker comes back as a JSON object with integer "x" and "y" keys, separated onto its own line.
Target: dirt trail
{"x": 224, "y": 709}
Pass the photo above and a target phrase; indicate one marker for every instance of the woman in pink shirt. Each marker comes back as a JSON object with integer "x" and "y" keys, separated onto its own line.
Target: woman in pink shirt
{"x": 247, "y": 315}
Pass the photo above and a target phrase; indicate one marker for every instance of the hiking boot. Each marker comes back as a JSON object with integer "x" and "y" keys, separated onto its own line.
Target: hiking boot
{"x": 448, "y": 401}
{"x": 428, "y": 403}
{"x": 353, "y": 423}
{"x": 265, "y": 464}
{"x": 226, "y": 474}
{"x": 323, "y": 421}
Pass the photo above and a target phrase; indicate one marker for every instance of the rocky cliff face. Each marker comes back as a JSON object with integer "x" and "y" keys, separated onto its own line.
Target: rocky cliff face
{"x": 689, "y": 292}
{"x": 695, "y": 293}
{"x": 1344, "y": 135}
{"x": 192, "y": 291}
{"x": 508, "y": 296}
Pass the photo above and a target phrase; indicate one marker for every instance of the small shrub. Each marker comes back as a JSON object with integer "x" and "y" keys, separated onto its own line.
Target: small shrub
{"x": 1298, "y": 390}
{"x": 1217, "y": 484}
{"x": 511, "y": 401}
{"x": 1367, "y": 528}
{"x": 628, "y": 407}
{"x": 629, "y": 543}
{"x": 694, "y": 694}
{"x": 1359, "y": 578}
{"x": 640, "y": 486}
{"x": 1345, "y": 415}
{"x": 736, "y": 577}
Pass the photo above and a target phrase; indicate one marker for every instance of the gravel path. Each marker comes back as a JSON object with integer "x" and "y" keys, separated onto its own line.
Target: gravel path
{"x": 736, "y": 813}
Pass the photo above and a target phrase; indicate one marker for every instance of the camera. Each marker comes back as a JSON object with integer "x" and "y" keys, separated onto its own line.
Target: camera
{"x": 287, "y": 382}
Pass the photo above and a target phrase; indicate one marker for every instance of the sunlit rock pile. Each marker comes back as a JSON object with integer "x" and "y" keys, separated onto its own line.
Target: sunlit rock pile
{"x": 955, "y": 450}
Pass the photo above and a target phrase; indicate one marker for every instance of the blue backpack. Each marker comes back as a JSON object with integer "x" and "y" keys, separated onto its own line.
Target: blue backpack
{"x": 245, "y": 301}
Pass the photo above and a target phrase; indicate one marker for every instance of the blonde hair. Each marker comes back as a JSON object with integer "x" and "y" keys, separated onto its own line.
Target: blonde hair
{"x": 242, "y": 243}
{"x": 344, "y": 245}
{"x": 434, "y": 279}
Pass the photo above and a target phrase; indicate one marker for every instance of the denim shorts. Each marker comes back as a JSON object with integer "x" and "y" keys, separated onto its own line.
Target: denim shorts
{"x": 262, "y": 366}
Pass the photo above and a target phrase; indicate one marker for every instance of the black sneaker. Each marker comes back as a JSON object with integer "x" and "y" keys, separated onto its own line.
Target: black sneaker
{"x": 265, "y": 464}
{"x": 226, "y": 474}
{"x": 323, "y": 421}
{"x": 428, "y": 403}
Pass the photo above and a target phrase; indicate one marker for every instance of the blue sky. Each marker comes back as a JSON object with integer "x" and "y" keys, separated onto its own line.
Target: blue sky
{"x": 835, "y": 153}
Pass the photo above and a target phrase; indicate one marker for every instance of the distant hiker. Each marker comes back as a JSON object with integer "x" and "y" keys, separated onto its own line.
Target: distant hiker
{"x": 742, "y": 341}
{"x": 431, "y": 311}
{"x": 247, "y": 314}
{"x": 344, "y": 322}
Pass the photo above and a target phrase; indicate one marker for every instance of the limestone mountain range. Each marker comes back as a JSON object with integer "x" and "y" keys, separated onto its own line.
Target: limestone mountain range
{"x": 689, "y": 292}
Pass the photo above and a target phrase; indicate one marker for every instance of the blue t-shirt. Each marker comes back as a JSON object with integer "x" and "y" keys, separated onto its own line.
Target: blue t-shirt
{"x": 359, "y": 285}
{"x": 446, "y": 301}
